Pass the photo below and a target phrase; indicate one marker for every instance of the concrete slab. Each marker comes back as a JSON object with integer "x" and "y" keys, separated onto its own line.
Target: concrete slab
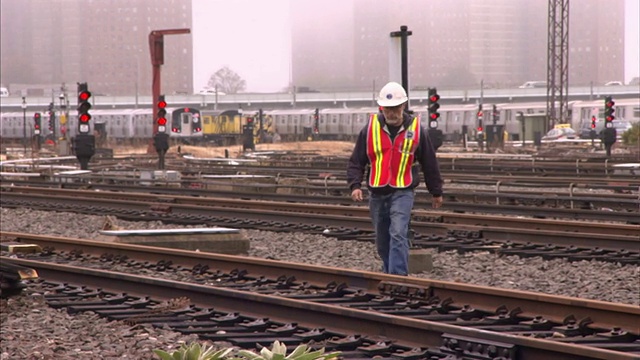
{"x": 420, "y": 260}
{"x": 216, "y": 240}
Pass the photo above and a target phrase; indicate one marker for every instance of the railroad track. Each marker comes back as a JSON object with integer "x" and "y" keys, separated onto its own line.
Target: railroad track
{"x": 521, "y": 204}
{"x": 340, "y": 221}
{"x": 257, "y": 301}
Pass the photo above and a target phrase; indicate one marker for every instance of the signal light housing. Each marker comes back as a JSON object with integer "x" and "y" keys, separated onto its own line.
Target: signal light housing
{"x": 83, "y": 108}
{"x": 609, "y": 110}
{"x": 36, "y": 123}
{"x": 479, "y": 116}
{"x": 433, "y": 107}
{"x": 161, "y": 119}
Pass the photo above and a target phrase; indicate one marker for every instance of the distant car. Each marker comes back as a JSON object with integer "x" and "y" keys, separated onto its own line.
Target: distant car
{"x": 560, "y": 134}
{"x": 533, "y": 84}
{"x": 620, "y": 125}
{"x": 210, "y": 92}
{"x": 614, "y": 83}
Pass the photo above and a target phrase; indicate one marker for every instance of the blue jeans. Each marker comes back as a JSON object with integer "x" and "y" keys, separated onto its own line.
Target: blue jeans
{"x": 390, "y": 215}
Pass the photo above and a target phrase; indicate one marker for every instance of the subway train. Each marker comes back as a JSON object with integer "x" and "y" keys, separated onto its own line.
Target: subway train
{"x": 226, "y": 127}
{"x": 184, "y": 124}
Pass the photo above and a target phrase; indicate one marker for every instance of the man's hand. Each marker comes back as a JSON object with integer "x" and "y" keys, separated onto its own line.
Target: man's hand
{"x": 356, "y": 195}
{"x": 436, "y": 202}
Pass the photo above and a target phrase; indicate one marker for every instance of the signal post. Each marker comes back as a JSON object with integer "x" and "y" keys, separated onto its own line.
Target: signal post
{"x": 161, "y": 138}
{"x": 480, "y": 133}
{"x": 37, "y": 123}
{"x": 435, "y": 134}
{"x": 609, "y": 133}
{"x": 84, "y": 144}
{"x": 156, "y": 48}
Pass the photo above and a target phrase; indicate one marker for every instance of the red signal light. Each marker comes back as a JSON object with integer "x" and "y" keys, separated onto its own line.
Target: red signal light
{"x": 84, "y": 95}
{"x": 162, "y": 104}
{"x": 162, "y": 121}
{"x": 434, "y": 98}
{"x": 610, "y": 103}
{"x": 37, "y": 126}
{"x": 187, "y": 110}
{"x": 85, "y": 118}
{"x": 433, "y": 116}
{"x": 249, "y": 120}
{"x": 479, "y": 113}
{"x": 479, "y": 128}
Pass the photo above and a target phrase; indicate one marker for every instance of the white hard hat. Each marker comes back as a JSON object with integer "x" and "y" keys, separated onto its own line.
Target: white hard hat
{"x": 392, "y": 94}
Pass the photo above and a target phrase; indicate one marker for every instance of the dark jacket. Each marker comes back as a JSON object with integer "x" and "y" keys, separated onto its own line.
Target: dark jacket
{"x": 425, "y": 156}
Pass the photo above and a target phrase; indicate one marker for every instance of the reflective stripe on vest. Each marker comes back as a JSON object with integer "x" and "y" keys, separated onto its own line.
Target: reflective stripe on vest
{"x": 391, "y": 162}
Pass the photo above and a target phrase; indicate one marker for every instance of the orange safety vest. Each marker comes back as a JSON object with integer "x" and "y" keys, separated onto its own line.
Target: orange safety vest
{"x": 391, "y": 162}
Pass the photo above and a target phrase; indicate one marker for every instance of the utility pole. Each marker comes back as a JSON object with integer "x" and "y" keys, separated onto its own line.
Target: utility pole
{"x": 404, "y": 34}
{"x": 156, "y": 49}
{"x": 24, "y": 125}
{"x": 558, "y": 62}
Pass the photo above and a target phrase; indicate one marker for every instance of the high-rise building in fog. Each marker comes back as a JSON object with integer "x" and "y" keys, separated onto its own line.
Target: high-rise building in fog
{"x": 344, "y": 45}
{"x": 102, "y": 42}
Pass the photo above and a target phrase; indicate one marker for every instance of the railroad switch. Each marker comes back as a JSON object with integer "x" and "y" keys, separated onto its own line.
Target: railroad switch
{"x": 405, "y": 291}
{"x": 17, "y": 247}
{"x": 318, "y": 334}
{"x": 284, "y": 330}
{"x": 480, "y": 349}
{"x": 347, "y": 343}
{"x": 618, "y": 335}
{"x": 379, "y": 348}
{"x": 572, "y": 328}
{"x": 538, "y": 323}
{"x": 413, "y": 354}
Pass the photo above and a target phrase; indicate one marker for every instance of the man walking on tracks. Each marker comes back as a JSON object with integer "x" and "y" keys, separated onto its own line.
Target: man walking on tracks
{"x": 394, "y": 145}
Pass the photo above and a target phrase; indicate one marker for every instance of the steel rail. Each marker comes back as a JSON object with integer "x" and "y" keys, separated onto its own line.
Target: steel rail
{"x": 172, "y": 212}
{"x": 603, "y": 314}
{"x": 412, "y": 332}
{"x": 492, "y": 227}
{"x": 492, "y": 202}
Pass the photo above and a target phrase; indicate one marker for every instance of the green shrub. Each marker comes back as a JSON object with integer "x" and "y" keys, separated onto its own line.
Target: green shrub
{"x": 632, "y": 136}
{"x": 278, "y": 351}
{"x": 194, "y": 351}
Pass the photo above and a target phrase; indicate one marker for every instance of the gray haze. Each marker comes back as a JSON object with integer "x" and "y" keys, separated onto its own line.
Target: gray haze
{"x": 328, "y": 44}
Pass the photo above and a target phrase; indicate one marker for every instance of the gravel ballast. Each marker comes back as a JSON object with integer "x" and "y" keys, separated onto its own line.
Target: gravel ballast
{"x": 31, "y": 330}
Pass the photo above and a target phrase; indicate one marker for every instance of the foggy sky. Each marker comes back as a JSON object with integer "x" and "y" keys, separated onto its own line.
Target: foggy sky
{"x": 257, "y": 43}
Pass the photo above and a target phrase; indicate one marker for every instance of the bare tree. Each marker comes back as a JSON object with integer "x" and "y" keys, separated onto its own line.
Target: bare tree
{"x": 227, "y": 81}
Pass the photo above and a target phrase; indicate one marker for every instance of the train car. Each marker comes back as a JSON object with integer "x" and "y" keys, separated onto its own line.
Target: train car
{"x": 583, "y": 111}
{"x": 454, "y": 119}
{"x": 189, "y": 125}
{"x": 119, "y": 124}
{"x": 293, "y": 124}
{"x": 221, "y": 127}
{"x": 186, "y": 124}
{"x": 509, "y": 114}
{"x": 225, "y": 127}
{"x": 125, "y": 125}
{"x": 342, "y": 124}
{"x": 11, "y": 124}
